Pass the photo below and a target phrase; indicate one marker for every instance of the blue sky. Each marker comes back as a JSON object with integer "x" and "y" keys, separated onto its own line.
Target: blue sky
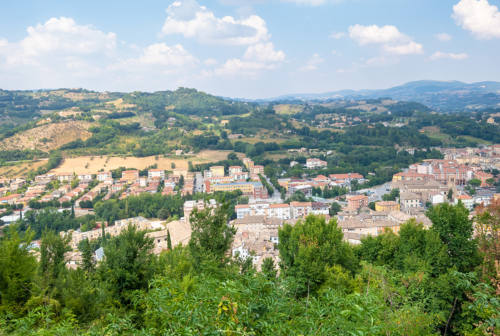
{"x": 252, "y": 48}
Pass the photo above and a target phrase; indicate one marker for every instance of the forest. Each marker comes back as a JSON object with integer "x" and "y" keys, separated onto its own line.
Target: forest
{"x": 435, "y": 281}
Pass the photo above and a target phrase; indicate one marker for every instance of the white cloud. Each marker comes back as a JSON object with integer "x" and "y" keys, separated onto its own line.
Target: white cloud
{"x": 337, "y": 35}
{"x": 264, "y": 52}
{"x": 64, "y": 35}
{"x": 374, "y": 34}
{"x": 478, "y": 17}
{"x": 257, "y": 57}
{"x": 63, "y": 53}
{"x": 308, "y": 2}
{"x": 391, "y": 39}
{"x": 375, "y": 61}
{"x": 443, "y": 37}
{"x": 239, "y": 67}
{"x": 57, "y": 41}
{"x": 313, "y": 63}
{"x": 164, "y": 55}
{"x": 188, "y": 18}
{"x": 313, "y": 3}
{"x": 443, "y": 55}
{"x": 210, "y": 62}
{"x": 409, "y": 48}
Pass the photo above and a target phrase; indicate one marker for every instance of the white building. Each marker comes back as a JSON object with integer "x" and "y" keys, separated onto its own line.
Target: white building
{"x": 156, "y": 173}
{"x": 314, "y": 163}
{"x": 103, "y": 176}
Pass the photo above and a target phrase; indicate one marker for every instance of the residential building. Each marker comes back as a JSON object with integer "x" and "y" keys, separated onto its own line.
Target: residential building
{"x": 130, "y": 175}
{"x": 386, "y": 206}
{"x": 254, "y": 189}
{"x": 189, "y": 206}
{"x": 85, "y": 177}
{"x": 235, "y": 170}
{"x": 410, "y": 201}
{"x": 156, "y": 174}
{"x": 65, "y": 177}
{"x": 217, "y": 171}
{"x": 256, "y": 170}
{"x": 356, "y": 202}
{"x": 10, "y": 199}
{"x": 300, "y": 209}
{"x": 466, "y": 200}
{"x": 103, "y": 176}
{"x": 314, "y": 163}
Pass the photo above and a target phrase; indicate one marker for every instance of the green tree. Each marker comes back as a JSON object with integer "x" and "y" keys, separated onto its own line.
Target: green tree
{"x": 128, "y": 263}
{"x": 211, "y": 235}
{"x": 455, "y": 230}
{"x": 309, "y": 248}
{"x": 391, "y": 196}
{"x": 88, "y": 261}
{"x": 475, "y": 183}
{"x": 268, "y": 268}
{"x": 334, "y": 209}
{"x": 449, "y": 195}
{"x": 169, "y": 240}
{"x": 17, "y": 270}
{"x": 52, "y": 261}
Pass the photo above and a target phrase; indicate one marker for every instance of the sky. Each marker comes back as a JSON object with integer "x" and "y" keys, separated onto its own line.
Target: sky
{"x": 246, "y": 49}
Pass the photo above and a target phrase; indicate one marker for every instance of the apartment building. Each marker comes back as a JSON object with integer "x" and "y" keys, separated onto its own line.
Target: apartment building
{"x": 314, "y": 163}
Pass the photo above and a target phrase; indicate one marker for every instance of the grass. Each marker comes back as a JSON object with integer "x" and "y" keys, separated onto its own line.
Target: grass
{"x": 92, "y": 164}
{"x": 434, "y": 132}
{"x": 287, "y": 109}
{"x": 20, "y": 169}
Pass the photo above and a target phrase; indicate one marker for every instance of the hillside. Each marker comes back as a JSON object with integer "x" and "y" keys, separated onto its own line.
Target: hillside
{"x": 450, "y": 96}
{"x": 82, "y": 123}
{"x": 48, "y": 136}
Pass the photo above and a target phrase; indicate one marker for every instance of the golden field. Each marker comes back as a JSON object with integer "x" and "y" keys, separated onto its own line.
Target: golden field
{"x": 93, "y": 164}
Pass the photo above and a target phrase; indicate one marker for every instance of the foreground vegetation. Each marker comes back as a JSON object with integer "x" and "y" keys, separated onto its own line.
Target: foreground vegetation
{"x": 421, "y": 282}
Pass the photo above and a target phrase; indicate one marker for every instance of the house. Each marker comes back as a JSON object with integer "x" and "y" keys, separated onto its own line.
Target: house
{"x": 64, "y": 177}
{"x": 386, "y": 206}
{"x": 10, "y": 199}
{"x": 256, "y": 170}
{"x": 410, "y": 200}
{"x": 319, "y": 208}
{"x": 300, "y": 209}
{"x": 281, "y": 211}
{"x": 217, "y": 171}
{"x": 189, "y": 206}
{"x": 242, "y": 176}
{"x": 235, "y": 170}
{"x": 356, "y": 202}
{"x": 347, "y": 177}
{"x": 85, "y": 177}
{"x": 156, "y": 173}
{"x": 314, "y": 163}
{"x": 254, "y": 189}
{"x": 411, "y": 176}
{"x": 130, "y": 175}
{"x": 248, "y": 163}
{"x": 103, "y": 176}
{"x": 242, "y": 210}
{"x": 467, "y": 201}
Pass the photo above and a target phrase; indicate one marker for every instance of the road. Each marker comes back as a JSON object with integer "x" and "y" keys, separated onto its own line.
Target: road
{"x": 375, "y": 193}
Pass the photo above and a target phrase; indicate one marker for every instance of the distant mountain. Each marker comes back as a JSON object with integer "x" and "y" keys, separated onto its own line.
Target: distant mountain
{"x": 452, "y": 96}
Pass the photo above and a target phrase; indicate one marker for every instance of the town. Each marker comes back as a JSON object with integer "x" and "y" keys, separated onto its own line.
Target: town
{"x": 465, "y": 175}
